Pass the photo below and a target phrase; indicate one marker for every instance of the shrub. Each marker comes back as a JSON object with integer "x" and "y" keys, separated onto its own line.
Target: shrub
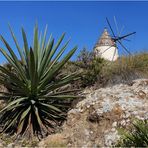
{"x": 92, "y": 73}
{"x": 137, "y": 136}
{"x": 85, "y": 58}
{"x": 90, "y": 66}
{"x": 36, "y": 103}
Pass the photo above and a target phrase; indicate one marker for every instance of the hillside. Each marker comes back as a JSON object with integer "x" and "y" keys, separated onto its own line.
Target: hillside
{"x": 115, "y": 94}
{"x": 95, "y": 120}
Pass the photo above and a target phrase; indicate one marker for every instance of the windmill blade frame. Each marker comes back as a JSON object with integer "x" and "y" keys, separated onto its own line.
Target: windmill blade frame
{"x": 117, "y": 28}
{"x": 123, "y": 37}
{"x": 121, "y": 30}
{"x": 110, "y": 27}
{"x": 124, "y": 47}
{"x": 114, "y": 54}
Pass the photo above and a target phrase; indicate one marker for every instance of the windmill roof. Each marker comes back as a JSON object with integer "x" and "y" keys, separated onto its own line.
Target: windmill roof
{"x": 105, "y": 39}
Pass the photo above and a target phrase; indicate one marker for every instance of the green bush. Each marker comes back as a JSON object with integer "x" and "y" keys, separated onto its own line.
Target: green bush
{"x": 136, "y": 137}
{"x": 92, "y": 73}
{"x": 90, "y": 66}
{"x": 36, "y": 101}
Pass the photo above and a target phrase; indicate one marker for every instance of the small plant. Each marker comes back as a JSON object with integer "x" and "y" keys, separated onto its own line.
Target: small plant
{"x": 35, "y": 105}
{"x": 137, "y": 136}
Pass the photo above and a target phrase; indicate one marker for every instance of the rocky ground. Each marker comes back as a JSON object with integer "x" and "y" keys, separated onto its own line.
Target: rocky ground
{"x": 95, "y": 120}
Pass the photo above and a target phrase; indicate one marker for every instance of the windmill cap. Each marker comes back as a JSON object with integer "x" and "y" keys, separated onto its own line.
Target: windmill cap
{"x": 105, "y": 39}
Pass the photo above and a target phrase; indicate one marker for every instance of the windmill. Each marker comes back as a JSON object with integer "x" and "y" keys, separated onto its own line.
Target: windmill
{"x": 107, "y": 46}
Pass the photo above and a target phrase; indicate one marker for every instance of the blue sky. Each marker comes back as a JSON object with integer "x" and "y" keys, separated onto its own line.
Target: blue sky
{"x": 82, "y": 21}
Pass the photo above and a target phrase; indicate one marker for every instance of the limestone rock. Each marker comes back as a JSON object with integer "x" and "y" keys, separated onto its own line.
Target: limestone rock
{"x": 104, "y": 110}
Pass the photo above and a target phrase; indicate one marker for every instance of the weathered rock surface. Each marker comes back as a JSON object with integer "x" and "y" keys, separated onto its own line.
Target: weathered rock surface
{"x": 95, "y": 120}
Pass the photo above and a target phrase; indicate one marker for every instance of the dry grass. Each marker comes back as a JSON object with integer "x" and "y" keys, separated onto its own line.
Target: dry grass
{"x": 100, "y": 73}
{"x": 126, "y": 68}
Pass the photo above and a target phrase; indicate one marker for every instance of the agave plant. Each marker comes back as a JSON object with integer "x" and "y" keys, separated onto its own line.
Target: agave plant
{"x": 136, "y": 137}
{"x": 35, "y": 100}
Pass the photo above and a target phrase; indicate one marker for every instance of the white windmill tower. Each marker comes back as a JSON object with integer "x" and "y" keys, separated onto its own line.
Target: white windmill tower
{"x": 106, "y": 47}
